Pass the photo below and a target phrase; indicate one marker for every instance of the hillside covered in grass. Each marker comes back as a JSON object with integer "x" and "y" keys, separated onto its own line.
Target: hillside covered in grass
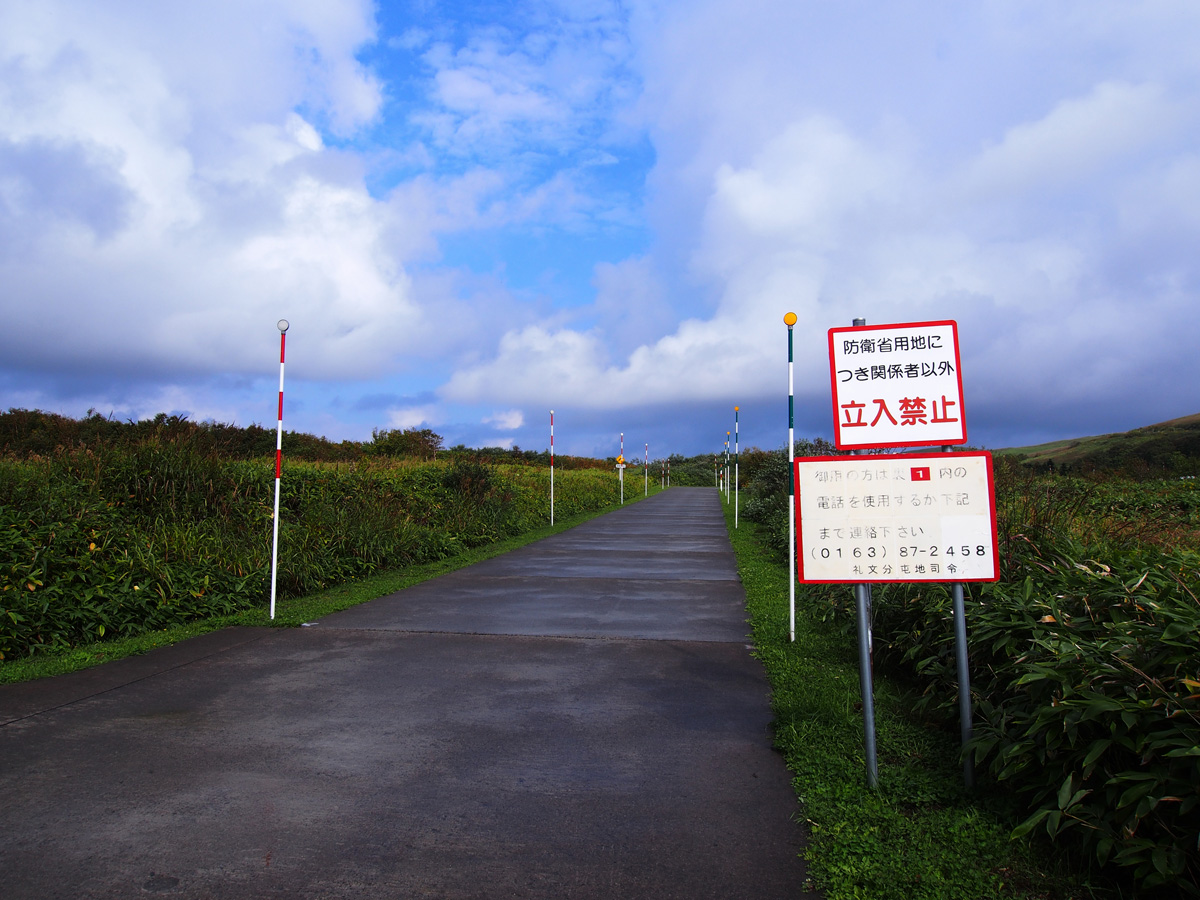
{"x": 1167, "y": 449}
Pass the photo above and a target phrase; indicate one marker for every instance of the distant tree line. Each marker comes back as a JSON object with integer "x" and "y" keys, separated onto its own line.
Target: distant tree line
{"x": 25, "y": 433}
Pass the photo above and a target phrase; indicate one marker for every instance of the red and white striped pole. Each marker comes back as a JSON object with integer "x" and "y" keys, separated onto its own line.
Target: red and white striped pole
{"x": 282, "y": 325}
{"x": 551, "y": 467}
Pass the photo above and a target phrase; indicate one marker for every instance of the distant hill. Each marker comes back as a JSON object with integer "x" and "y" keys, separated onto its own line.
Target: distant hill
{"x": 1168, "y": 448}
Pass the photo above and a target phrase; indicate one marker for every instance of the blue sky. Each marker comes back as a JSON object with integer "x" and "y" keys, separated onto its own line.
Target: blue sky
{"x": 473, "y": 213}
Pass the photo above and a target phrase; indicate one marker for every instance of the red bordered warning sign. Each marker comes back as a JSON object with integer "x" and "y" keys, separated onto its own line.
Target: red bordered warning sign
{"x": 908, "y": 517}
{"x": 896, "y": 385}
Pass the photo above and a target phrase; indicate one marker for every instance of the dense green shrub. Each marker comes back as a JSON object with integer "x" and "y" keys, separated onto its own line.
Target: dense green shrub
{"x": 691, "y": 471}
{"x": 145, "y": 535}
{"x": 422, "y": 443}
{"x": 764, "y": 499}
{"x": 77, "y": 565}
{"x": 1084, "y": 664}
{"x": 765, "y": 489}
{"x": 25, "y": 433}
{"x": 1086, "y": 680}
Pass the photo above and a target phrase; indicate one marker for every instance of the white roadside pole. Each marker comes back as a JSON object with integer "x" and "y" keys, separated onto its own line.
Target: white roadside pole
{"x": 790, "y": 319}
{"x": 727, "y": 468}
{"x": 282, "y": 325}
{"x": 551, "y": 467}
{"x": 646, "y": 472}
{"x": 621, "y": 468}
{"x": 735, "y": 467}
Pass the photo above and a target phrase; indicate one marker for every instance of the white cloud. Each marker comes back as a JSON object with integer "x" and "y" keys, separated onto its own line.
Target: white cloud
{"x": 884, "y": 213}
{"x": 173, "y": 179}
{"x": 810, "y": 191}
{"x": 303, "y": 133}
{"x": 507, "y": 420}
{"x": 535, "y": 365}
{"x": 545, "y": 81}
{"x": 700, "y": 360}
{"x": 413, "y": 417}
{"x": 210, "y": 202}
{"x": 489, "y": 91}
{"x": 1077, "y": 139}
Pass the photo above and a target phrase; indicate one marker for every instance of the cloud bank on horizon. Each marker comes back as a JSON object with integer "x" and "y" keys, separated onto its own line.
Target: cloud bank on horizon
{"x": 603, "y": 207}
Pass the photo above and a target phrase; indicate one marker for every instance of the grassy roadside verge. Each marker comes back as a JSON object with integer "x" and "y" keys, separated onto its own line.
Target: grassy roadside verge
{"x": 288, "y": 613}
{"x": 921, "y": 836}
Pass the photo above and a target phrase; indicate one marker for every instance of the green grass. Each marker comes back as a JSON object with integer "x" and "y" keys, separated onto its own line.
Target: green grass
{"x": 921, "y": 835}
{"x": 126, "y": 541}
{"x": 288, "y": 612}
{"x": 1166, "y": 448}
{"x": 1071, "y": 450}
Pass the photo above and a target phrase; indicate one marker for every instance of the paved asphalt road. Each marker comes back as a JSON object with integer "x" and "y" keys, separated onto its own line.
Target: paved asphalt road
{"x": 580, "y": 718}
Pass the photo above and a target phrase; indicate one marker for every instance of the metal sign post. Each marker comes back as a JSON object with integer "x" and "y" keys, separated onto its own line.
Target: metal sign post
{"x": 866, "y": 658}
{"x": 911, "y": 517}
{"x": 965, "y": 714}
{"x": 862, "y": 606}
{"x": 964, "y": 680}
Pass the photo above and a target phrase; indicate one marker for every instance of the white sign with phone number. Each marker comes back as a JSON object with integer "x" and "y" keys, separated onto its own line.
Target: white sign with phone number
{"x": 905, "y": 517}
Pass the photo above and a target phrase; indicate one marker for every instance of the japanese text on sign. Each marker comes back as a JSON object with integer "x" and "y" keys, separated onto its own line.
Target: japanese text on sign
{"x": 896, "y": 385}
{"x": 913, "y": 517}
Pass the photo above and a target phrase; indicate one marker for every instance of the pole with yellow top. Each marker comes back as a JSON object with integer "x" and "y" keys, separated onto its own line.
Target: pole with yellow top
{"x": 790, "y": 319}
{"x": 551, "y": 467}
